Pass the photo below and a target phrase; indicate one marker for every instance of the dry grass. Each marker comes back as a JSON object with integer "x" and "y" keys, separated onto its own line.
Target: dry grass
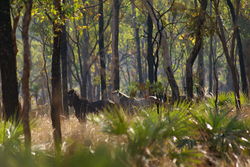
{"x": 88, "y": 134}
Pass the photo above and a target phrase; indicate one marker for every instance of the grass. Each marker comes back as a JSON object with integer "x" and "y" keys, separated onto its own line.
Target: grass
{"x": 183, "y": 134}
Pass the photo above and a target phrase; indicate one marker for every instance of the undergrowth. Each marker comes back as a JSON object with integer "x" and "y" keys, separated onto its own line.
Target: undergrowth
{"x": 183, "y": 134}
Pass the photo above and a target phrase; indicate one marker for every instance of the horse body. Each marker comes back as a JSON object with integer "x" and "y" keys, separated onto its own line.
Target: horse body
{"x": 82, "y": 106}
{"x": 102, "y": 104}
{"x": 129, "y": 103}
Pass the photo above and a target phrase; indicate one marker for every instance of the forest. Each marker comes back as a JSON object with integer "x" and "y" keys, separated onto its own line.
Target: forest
{"x": 124, "y": 83}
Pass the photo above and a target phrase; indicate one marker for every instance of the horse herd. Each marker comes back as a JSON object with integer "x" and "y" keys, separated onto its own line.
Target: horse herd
{"x": 82, "y": 106}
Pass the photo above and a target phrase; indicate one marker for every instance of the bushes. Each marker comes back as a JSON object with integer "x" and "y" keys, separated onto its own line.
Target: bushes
{"x": 224, "y": 134}
{"x": 151, "y": 136}
{"x": 186, "y": 134}
{"x": 180, "y": 135}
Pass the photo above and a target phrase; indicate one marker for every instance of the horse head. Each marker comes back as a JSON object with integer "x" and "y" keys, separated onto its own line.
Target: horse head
{"x": 72, "y": 96}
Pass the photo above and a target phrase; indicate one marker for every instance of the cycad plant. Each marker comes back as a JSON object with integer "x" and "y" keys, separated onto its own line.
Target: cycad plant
{"x": 150, "y": 135}
{"x": 10, "y": 136}
{"x": 223, "y": 133}
{"x": 225, "y": 100}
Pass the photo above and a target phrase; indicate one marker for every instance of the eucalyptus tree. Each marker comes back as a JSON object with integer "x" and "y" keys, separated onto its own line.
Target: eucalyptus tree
{"x": 26, "y": 72}
{"x": 197, "y": 47}
{"x": 167, "y": 63}
{"x": 56, "y": 104}
{"x": 64, "y": 61}
{"x": 101, "y": 50}
{"x": 8, "y": 64}
{"x": 150, "y": 50}
{"x": 229, "y": 54}
{"x": 234, "y": 14}
{"x": 137, "y": 42}
{"x": 115, "y": 42}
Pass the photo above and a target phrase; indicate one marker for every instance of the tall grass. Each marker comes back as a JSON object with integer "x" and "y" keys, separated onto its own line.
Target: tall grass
{"x": 182, "y": 134}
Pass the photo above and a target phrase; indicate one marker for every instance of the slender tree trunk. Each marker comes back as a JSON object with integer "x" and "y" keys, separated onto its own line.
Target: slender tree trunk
{"x": 150, "y": 48}
{"x": 85, "y": 57}
{"x": 90, "y": 87}
{"x": 69, "y": 66}
{"x": 127, "y": 70}
{"x": 56, "y": 105}
{"x": 46, "y": 72}
{"x": 201, "y": 73}
{"x": 64, "y": 61}
{"x": 102, "y": 51}
{"x": 165, "y": 50}
{"x": 196, "y": 49}
{"x": 97, "y": 97}
{"x": 26, "y": 73}
{"x": 246, "y": 50}
{"x": 211, "y": 57}
{"x": 144, "y": 60}
{"x": 210, "y": 68}
{"x": 229, "y": 81}
{"x": 14, "y": 28}
{"x": 234, "y": 16}
{"x": 230, "y": 59}
{"x": 8, "y": 64}
{"x": 43, "y": 89}
{"x": 137, "y": 42}
{"x": 115, "y": 42}
{"x": 216, "y": 83}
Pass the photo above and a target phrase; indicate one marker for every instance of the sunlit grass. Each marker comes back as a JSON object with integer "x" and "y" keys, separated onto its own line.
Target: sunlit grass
{"x": 182, "y": 134}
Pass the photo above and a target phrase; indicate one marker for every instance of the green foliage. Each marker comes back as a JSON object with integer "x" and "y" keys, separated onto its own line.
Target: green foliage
{"x": 103, "y": 156}
{"x": 181, "y": 131}
{"x": 185, "y": 134}
{"x": 226, "y": 100}
{"x": 186, "y": 156}
{"x": 133, "y": 89}
{"x": 223, "y": 132}
{"x": 156, "y": 88}
{"x": 10, "y": 136}
{"x": 12, "y": 153}
{"x": 150, "y": 134}
{"x": 116, "y": 122}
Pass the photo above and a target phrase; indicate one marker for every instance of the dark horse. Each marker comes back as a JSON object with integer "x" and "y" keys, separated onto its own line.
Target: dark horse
{"x": 83, "y": 107}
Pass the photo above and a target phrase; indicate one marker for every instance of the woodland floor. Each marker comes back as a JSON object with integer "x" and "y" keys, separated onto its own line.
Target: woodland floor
{"x": 88, "y": 134}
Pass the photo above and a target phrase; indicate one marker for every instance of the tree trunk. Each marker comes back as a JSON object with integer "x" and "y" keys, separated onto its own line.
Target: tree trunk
{"x": 43, "y": 89}
{"x": 90, "y": 87}
{"x": 26, "y": 74}
{"x": 150, "y": 50}
{"x": 210, "y": 68}
{"x": 201, "y": 73}
{"x": 45, "y": 71}
{"x": 164, "y": 45}
{"x": 196, "y": 49}
{"x": 85, "y": 57}
{"x": 115, "y": 42}
{"x": 229, "y": 81}
{"x": 102, "y": 51}
{"x": 69, "y": 67}
{"x": 246, "y": 51}
{"x": 8, "y": 64}
{"x": 234, "y": 16}
{"x": 137, "y": 42}
{"x": 64, "y": 60}
{"x": 211, "y": 57}
{"x": 56, "y": 105}
{"x": 144, "y": 60}
{"x": 230, "y": 59}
